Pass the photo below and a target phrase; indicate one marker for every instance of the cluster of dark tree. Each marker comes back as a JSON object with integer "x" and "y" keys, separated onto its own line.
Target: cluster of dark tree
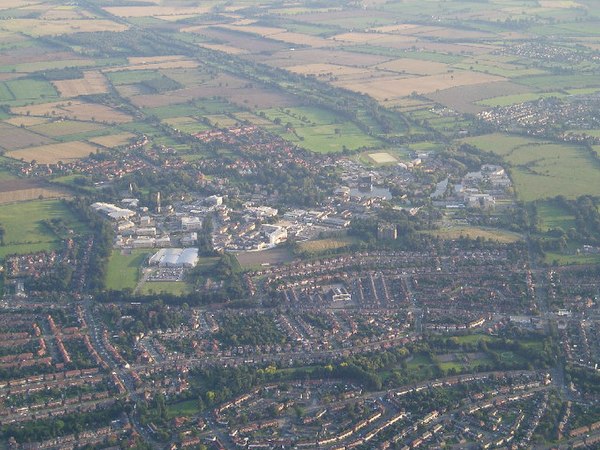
{"x": 584, "y": 414}
{"x": 168, "y": 183}
{"x": 204, "y": 242}
{"x": 585, "y": 231}
{"x": 469, "y": 158}
{"x": 110, "y": 44}
{"x": 67, "y": 73}
{"x": 59, "y": 279}
{"x": 249, "y": 329}
{"x": 97, "y": 255}
{"x": 586, "y": 381}
{"x": 155, "y": 315}
{"x": 519, "y": 217}
{"x": 226, "y": 270}
{"x": 295, "y": 184}
{"x": 547, "y": 430}
{"x": 160, "y": 84}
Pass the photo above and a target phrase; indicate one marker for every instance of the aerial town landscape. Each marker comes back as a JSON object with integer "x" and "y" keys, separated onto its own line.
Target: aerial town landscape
{"x": 299, "y": 224}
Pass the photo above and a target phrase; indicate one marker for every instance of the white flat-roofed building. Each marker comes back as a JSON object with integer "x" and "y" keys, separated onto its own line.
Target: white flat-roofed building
{"x": 143, "y": 242}
{"x": 175, "y": 257}
{"x": 191, "y": 223}
{"x": 146, "y": 231}
{"x": 275, "y": 234}
{"x": 189, "y": 239}
{"x": 163, "y": 241}
{"x": 340, "y": 295}
{"x": 188, "y": 257}
{"x": 112, "y": 211}
{"x": 214, "y": 200}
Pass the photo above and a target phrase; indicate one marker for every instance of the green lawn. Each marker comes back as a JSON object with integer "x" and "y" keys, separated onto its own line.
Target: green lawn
{"x": 25, "y": 231}
{"x": 123, "y": 270}
{"x": 563, "y": 259}
{"x": 186, "y": 408}
{"x": 554, "y": 216}
{"x": 168, "y": 287}
{"x": 473, "y": 232}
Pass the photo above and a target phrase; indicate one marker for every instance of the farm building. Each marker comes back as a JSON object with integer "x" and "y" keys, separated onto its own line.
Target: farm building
{"x": 175, "y": 257}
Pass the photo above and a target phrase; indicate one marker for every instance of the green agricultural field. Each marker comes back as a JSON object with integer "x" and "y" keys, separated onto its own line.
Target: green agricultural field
{"x": 500, "y": 144}
{"x": 124, "y": 269}
{"x": 491, "y": 69}
{"x": 5, "y": 94}
{"x": 167, "y": 112}
{"x": 46, "y": 65}
{"x": 131, "y": 76}
{"x": 187, "y": 125}
{"x": 555, "y": 170}
{"x": 318, "y": 130}
{"x": 25, "y": 231}
{"x": 555, "y": 82}
{"x": 26, "y": 89}
{"x": 6, "y": 175}
{"x": 553, "y": 216}
{"x": 221, "y": 121}
{"x": 507, "y": 100}
{"x": 544, "y": 170}
{"x": 65, "y": 127}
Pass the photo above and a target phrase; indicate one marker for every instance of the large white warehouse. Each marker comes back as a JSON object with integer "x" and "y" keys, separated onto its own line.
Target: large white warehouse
{"x": 175, "y": 257}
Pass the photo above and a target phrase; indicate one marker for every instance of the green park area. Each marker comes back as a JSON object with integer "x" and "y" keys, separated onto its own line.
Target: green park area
{"x": 25, "y": 228}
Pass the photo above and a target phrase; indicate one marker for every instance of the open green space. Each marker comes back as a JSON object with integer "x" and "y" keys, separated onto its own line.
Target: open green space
{"x": 552, "y": 215}
{"x": 326, "y": 245}
{"x": 168, "y": 287}
{"x": 474, "y": 232}
{"x": 541, "y": 169}
{"x": 25, "y": 231}
{"x": 124, "y": 268}
{"x": 568, "y": 259}
{"x": 185, "y": 408}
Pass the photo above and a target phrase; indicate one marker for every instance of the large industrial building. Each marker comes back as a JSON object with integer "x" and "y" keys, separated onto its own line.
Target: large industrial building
{"x": 112, "y": 211}
{"x": 175, "y": 257}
